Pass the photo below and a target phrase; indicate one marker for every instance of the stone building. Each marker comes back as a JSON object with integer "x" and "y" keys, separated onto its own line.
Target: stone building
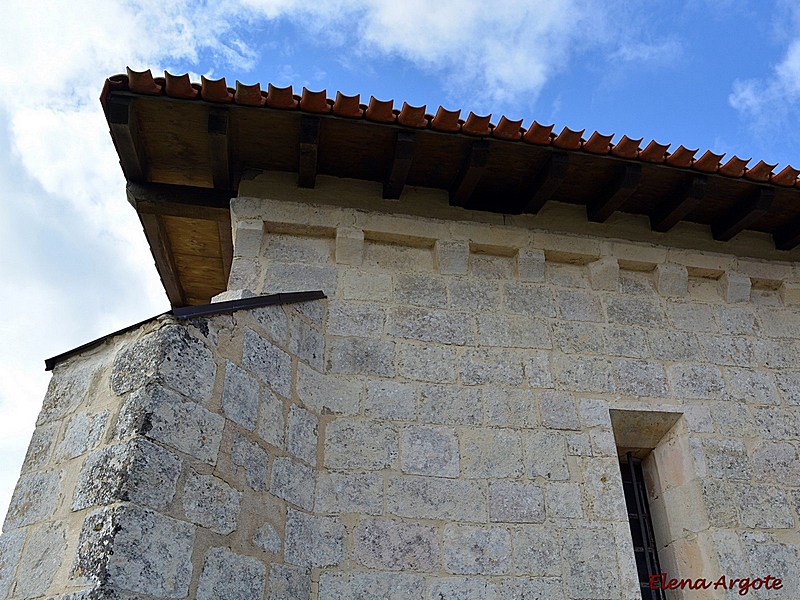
{"x": 496, "y": 326}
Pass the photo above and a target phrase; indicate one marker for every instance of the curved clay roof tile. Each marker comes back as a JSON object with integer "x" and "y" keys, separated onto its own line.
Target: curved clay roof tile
{"x": 598, "y": 143}
{"x": 734, "y": 167}
{"x": 654, "y": 152}
{"x": 380, "y": 111}
{"x": 179, "y": 86}
{"x": 708, "y": 163}
{"x": 215, "y": 90}
{"x": 761, "y": 172}
{"x": 626, "y": 147}
{"x": 787, "y": 177}
{"x": 280, "y": 97}
{"x": 348, "y": 106}
{"x": 682, "y": 157}
{"x": 539, "y": 134}
{"x": 142, "y": 82}
{"x": 412, "y": 116}
{"x": 476, "y": 125}
{"x": 117, "y": 83}
{"x": 446, "y": 120}
{"x": 568, "y": 139}
{"x": 249, "y": 95}
{"x": 316, "y": 102}
{"x": 507, "y": 129}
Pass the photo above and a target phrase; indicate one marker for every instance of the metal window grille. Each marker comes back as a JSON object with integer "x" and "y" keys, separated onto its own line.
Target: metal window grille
{"x": 644, "y": 545}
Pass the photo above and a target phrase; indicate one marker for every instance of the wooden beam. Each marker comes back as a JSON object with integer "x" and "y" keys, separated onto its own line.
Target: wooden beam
{"x": 158, "y": 239}
{"x": 677, "y": 206}
{"x": 750, "y": 210}
{"x": 545, "y": 182}
{"x": 788, "y": 237}
{"x": 125, "y": 133}
{"x": 401, "y": 163}
{"x": 615, "y": 193}
{"x": 219, "y": 146}
{"x": 164, "y": 193}
{"x": 470, "y": 174}
{"x": 309, "y": 140}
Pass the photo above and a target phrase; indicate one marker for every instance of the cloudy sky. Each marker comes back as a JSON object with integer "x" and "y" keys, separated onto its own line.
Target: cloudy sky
{"x": 710, "y": 74}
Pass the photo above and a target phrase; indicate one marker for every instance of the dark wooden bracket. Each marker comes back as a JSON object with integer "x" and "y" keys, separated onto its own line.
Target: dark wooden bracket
{"x": 186, "y": 195}
{"x": 545, "y": 182}
{"x": 309, "y": 140}
{"x": 679, "y": 205}
{"x": 470, "y": 173}
{"x": 401, "y": 164}
{"x": 615, "y": 193}
{"x": 788, "y": 237}
{"x": 167, "y": 269}
{"x": 750, "y": 210}
{"x": 125, "y": 131}
{"x": 219, "y": 146}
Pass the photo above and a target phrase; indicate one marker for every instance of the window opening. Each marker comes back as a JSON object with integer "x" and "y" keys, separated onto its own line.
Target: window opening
{"x": 644, "y": 546}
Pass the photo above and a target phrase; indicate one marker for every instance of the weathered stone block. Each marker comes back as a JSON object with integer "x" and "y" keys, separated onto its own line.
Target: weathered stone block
{"x": 41, "y": 561}
{"x": 491, "y": 453}
{"x": 270, "y": 420}
{"x": 727, "y": 350}
{"x": 537, "y": 369}
{"x": 777, "y": 354}
{"x": 583, "y": 373}
{"x": 674, "y": 345}
{"x": 247, "y": 238}
{"x": 734, "y": 287}
{"x": 491, "y": 365}
{"x": 545, "y": 455}
{"x": 253, "y": 459}
{"x": 696, "y": 381}
{"x": 534, "y": 587}
{"x": 428, "y": 363}
{"x": 513, "y": 331}
{"x": 564, "y": 500}
{"x": 429, "y": 450}
{"x": 211, "y": 503}
{"x": 589, "y": 572}
{"x": 788, "y": 384}
{"x": 671, "y": 279}
{"x": 349, "y": 246}
{"x": 604, "y": 274}
{"x": 267, "y": 539}
{"x": 721, "y": 504}
{"x": 603, "y": 488}
{"x": 240, "y": 396}
{"x": 357, "y": 319}
{"x": 603, "y": 443}
{"x": 640, "y": 378}
{"x": 11, "y": 543}
{"x": 450, "y": 405}
{"x": 83, "y": 434}
{"x": 306, "y": 342}
{"x": 360, "y": 285}
{"x": 102, "y": 479}
{"x": 356, "y": 356}
{"x": 474, "y": 294}
{"x": 394, "y": 545}
{"x": 578, "y": 337}
{"x": 698, "y": 418}
{"x": 470, "y": 550}
{"x": 777, "y": 462}
{"x": 431, "y": 325}
{"x": 566, "y": 275}
{"x": 594, "y": 412}
{"x": 298, "y": 249}
{"x": 626, "y": 310}
{"x": 246, "y": 274}
{"x": 67, "y": 389}
{"x": 368, "y": 586}
{"x": 390, "y": 400}
{"x": 349, "y": 493}
{"x": 579, "y": 305}
{"x": 40, "y": 448}
{"x": 463, "y": 588}
{"x": 437, "y": 498}
{"x": 289, "y": 583}
{"x": 753, "y": 387}
{"x": 510, "y": 408}
{"x": 537, "y": 551}
{"x": 229, "y": 575}
{"x": 530, "y": 300}
{"x": 313, "y": 541}
{"x": 152, "y": 477}
{"x": 530, "y": 264}
{"x": 578, "y": 444}
{"x": 557, "y": 410}
{"x": 274, "y": 322}
{"x": 186, "y": 364}
{"x": 764, "y": 507}
{"x": 292, "y": 481}
{"x": 778, "y": 559}
{"x": 282, "y": 277}
{"x": 162, "y": 416}
{"x": 301, "y": 434}
{"x": 736, "y": 320}
{"x": 270, "y": 364}
{"x": 516, "y": 502}
{"x": 486, "y": 266}
{"x": 727, "y": 459}
{"x": 328, "y": 393}
{"x": 417, "y": 289}
{"x": 351, "y": 444}
{"x": 452, "y": 257}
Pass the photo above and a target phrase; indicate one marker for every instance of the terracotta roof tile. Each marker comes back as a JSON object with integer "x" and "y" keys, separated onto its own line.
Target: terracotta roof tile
{"x": 598, "y": 143}
{"x": 476, "y": 125}
{"x": 412, "y": 116}
{"x": 541, "y": 135}
{"x": 626, "y": 147}
{"x": 179, "y": 86}
{"x": 568, "y": 139}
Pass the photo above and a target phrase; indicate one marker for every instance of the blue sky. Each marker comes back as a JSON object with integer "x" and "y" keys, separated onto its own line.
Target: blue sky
{"x": 722, "y": 75}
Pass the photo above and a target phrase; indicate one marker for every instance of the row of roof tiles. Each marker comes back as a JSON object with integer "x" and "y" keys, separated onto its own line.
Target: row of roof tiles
{"x": 379, "y": 111}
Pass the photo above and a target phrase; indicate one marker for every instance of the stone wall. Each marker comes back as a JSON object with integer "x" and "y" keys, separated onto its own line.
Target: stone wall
{"x": 445, "y": 426}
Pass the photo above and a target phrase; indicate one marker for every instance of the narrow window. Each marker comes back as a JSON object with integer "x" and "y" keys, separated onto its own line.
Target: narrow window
{"x": 644, "y": 545}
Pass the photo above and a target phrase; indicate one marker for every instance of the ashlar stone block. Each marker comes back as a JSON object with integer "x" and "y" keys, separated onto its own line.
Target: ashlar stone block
{"x": 356, "y": 356}
{"x": 727, "y": 459}
{"x": 313, "y": 541}
{"x": 604, "y": 274}
{"x": 253, "y": 459}
{"x": 639, "y": 378}
{"x": 491, "y": 452}
{"x": 83, "y": 433}
{"x": 764, "y": 507}
{"x": 437, "y": 498}
{"x": 470, "y": 550}
{"x": 557, "y": 410}
{"x": 289, "y": 583}
{"x": 390, "y": 400}
{"x": 211, "y": 503}
{"x": 11, "y": 543}
{"x": 368, "y": 586}
{"x": 671, "y": 279}
{"x": 529, "y": 300}
{"x": 450, "y": 405}
{"x": 240, "y": 396}
{"x": 292, "y": 481}
{"x": 41, "y": 561}
{"x": 734, "y": 287}
{"x": 429, "y": 450}
{"x": 355, "y": 444}
{"x": 339, "y": 493}
{"x": 271, "y": 425}
{"x": 301, "y": 434}
{"x": 537, "y": 551}
{"x": 579, "y": 305}
{"x": 229, "y": 575}
{"x": 357, "y": 319}
{"x": 463, "y": 588}
{"x": 510, "y": 408}
{"x": 306, "y": 342}
{"x": 452, "y": 256}
{"x": 777, "y": 462}
{"x": 564, "y": 500}
{"x": 545, "y": 455}
{"x": 270, "y": 364}
{"x": 530, "y": 264}
{"x": 588, "y": 571}
{"x": 349, "y": 246}
{"x": 516, "y": 502}
{"x": 395, "y": 545}
{"x": 417, "y": 289}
